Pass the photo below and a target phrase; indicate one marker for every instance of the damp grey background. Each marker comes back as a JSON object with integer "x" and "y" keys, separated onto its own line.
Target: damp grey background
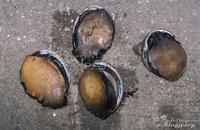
{"x": 31, "y": 25}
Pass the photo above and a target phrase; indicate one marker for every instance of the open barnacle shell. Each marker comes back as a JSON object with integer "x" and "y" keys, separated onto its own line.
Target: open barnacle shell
{"x": 45, "y": 76}
{"x": 101, "y": 88}
{"x": 93, "y": 34}
{"x": 164, "y": 55}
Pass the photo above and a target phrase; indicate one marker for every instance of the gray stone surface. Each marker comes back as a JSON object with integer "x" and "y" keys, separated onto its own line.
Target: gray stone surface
{"x": 30, "y": 25}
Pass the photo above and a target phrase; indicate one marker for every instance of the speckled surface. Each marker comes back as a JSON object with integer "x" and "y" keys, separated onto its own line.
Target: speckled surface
{"x": 30, "y": 25}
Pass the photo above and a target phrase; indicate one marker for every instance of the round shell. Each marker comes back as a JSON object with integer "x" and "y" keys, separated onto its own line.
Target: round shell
{"x": 45, "y": 77}
{"x": 93, "y": 34}
{"x": 163, "y": 55}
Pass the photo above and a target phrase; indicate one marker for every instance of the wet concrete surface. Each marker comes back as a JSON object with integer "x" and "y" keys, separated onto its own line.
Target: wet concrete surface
{"x": 28, "y": 25}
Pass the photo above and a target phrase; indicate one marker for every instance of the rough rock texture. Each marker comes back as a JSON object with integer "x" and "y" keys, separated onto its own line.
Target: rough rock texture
{"x": 30, "y": 25}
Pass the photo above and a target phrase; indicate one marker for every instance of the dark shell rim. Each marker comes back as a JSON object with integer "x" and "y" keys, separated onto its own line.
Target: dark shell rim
{"x": 111, "y": 70}
{"x": 50, "y": 55}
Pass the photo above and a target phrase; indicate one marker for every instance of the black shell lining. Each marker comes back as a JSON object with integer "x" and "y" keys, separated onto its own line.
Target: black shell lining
{"x": 57, "y": 63}
{"x": 110, "y": 92}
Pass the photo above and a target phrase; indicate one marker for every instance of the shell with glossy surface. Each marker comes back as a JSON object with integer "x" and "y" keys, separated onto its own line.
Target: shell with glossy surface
{"x": 100, "y": 87}
{"x": 45, "y": 77}
{"x": 164, "y": 55}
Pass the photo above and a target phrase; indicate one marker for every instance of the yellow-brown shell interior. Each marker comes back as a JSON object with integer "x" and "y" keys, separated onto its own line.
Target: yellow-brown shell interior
{"x": 43, "y": 80}
{"x": 169, "y": 58}
{"x": 93, "y": 92}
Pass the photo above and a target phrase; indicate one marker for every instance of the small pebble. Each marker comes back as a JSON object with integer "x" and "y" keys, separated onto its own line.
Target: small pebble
{"x": 22, "y": 16}
{"x": 163, "y": 117}
{"x": 125, "y": 14}
{"x": 18, "y": 38}
{"x": 67, "y": 29}
{"x": 54, "y": 114}
{"x": 50, "y": 4}
{"x": 142, "y": 31}
{"x": 31, "y": 40}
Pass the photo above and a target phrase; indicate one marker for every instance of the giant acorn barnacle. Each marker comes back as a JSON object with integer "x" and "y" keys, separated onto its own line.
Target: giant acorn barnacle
{"x": 164, "y": 55}
{"x": 45, "y": 77}
{"x": 100, "y": 87}
{"x": 93, "y": 34}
